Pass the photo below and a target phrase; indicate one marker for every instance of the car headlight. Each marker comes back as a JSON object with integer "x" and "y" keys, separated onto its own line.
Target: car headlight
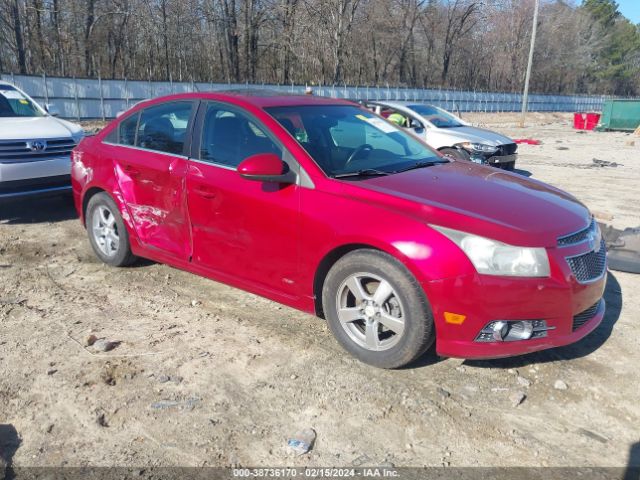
{"x": 479, "y": 147}
{"x": 77, "y": 136}
{"x": 491, "y": 257}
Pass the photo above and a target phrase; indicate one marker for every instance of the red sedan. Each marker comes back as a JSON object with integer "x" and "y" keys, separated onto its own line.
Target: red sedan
{"x": 321, "y": 205}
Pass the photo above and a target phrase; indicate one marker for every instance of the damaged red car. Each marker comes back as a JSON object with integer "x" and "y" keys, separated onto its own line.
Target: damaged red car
{"x": 321, "y": 205}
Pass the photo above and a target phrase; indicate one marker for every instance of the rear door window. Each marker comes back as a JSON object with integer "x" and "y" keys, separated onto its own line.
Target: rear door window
{"x": 164, "y": 128}
{"x": 127, "y": 130}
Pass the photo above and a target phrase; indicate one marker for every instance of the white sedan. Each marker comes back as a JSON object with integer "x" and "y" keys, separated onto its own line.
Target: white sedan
{"x": 35, "y": 147}
{"x": 450, "y": 134}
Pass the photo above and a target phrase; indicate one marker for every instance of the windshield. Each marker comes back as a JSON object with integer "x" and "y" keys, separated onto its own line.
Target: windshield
{"x": 437, "y": 117}
{"x": 343, "y": 139}
{"x": 14, "y": 104}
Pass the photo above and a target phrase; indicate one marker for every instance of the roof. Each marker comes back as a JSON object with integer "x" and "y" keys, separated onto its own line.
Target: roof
{"x": 291, "y": 100}
{"x": 396, "y": 103}
{"x": 258, "y": 98}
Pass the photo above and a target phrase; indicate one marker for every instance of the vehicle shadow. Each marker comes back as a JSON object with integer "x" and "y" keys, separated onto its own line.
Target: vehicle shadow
{"x": 9, "y": 443}
{"x": 582, "y": 348}
{"x": 632, "y": 471}
{"x": 524, "y": 173}
{"x": 428, "y": 358}
{"x": 37, "y": 209}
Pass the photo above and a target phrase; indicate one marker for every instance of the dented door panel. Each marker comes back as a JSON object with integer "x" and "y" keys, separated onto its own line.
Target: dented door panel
{"x": 152, "y": 187}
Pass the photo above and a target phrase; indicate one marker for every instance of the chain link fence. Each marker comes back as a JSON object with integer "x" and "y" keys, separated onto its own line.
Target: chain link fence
{"x": 83, "y": 98}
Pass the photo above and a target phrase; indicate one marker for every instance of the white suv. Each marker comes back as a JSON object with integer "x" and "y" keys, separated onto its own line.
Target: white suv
{"x": 35, "y": 147}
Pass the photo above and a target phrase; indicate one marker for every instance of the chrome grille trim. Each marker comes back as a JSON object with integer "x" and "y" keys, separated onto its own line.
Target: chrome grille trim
{"x": 19, "y": 151}
{"x": 579, "y": 236}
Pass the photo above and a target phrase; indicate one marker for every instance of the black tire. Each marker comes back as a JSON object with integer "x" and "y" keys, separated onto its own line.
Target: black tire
{"x": 122, "y": 255}
{"x": 455, "y": 153}
{"x": 418, "y": 332}
{"x": 510, "y": 166}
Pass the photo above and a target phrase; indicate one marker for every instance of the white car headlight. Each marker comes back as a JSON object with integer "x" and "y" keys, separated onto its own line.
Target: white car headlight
{"x": 77, "y": 136}
{"x": 479, "y": 147}
{"x": 491, "y": 257}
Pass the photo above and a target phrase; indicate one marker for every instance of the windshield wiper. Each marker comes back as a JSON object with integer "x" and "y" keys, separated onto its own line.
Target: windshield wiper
{"x": 367, "y": 172}
{"x": 421, "y": 165}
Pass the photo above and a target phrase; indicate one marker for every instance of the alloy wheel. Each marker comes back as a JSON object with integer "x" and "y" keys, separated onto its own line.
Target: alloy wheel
{"x": 105, "y": 231}
{"x": 370, "y": 311}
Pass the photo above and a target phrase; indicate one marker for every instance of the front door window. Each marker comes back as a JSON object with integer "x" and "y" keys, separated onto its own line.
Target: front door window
{"x": 229, "y": 137}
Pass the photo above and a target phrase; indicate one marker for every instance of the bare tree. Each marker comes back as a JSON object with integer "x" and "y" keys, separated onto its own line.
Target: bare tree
{"x": 463, "y": 43}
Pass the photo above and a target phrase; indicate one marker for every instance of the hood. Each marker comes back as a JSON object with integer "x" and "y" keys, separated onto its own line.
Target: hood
{"x": 27, "y": 128}
{"x": 470, "y": 134}
{"x": 481, "y": 200}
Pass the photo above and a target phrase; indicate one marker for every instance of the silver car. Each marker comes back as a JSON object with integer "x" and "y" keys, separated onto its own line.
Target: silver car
{"x": 450, "y": 134}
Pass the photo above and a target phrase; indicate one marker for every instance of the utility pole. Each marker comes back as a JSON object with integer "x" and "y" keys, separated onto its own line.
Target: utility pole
{"x": 525, "y": 94}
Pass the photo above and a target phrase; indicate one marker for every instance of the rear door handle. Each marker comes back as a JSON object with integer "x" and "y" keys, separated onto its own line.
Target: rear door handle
{"x": 204, "y": 191}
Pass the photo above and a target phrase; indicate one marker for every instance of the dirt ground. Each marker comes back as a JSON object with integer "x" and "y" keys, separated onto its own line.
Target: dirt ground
{"x": 209, "y": 375}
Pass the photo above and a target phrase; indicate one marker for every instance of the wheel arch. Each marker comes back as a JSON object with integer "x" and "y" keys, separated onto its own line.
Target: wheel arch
{"x": 461, "y": 151}
{"x": 92, "y": 191}
{"x": 448, "y": 147}
{"x": 325, "y": 265}
{"x": 114, "y": 193}
{"x": 335, "y": 254}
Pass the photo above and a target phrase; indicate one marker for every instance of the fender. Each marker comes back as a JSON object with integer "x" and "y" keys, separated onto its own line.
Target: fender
{"x": 88, "y": 176}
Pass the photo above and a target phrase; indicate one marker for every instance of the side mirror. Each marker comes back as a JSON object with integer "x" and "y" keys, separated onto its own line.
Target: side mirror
{"x": 52, "y": 110}
{"x": 416, "y": 125}
{"x": 266, "y": 167}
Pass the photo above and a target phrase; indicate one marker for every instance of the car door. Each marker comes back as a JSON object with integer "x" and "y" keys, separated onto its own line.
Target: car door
{"x": 241, "y": 228}
{"x": 150, "y": 166}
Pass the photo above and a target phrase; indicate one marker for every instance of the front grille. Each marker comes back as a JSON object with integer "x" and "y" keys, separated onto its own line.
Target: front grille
{"x": 589, "y": 266}
{"x": 15, "y": 151}
{"x": 507, "y": 149}
{"x": 583, "y": 317}
{"x": 580, "y": 236}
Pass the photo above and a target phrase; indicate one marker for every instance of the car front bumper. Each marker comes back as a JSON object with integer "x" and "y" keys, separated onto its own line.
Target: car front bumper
{"x": 35, "y": 177}
{"x": 557, "y": 300}
{"x": 495, "y": 160}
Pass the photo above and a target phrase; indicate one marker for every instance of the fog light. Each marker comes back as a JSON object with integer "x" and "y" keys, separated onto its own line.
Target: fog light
{"x": 513, "y": 330}
{"x": 500, "y": 330}
{"x": 519, "y": 331}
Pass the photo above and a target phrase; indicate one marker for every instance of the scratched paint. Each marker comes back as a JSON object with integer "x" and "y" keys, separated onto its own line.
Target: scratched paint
{"x": 146, "y": 216}
{"x": 79, "y": 170}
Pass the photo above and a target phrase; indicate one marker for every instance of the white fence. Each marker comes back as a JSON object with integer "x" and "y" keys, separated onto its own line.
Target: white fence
{"x": 95, "y": 98}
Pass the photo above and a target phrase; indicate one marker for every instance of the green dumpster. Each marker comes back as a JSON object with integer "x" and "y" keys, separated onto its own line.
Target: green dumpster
{"x": 620, "y": 115}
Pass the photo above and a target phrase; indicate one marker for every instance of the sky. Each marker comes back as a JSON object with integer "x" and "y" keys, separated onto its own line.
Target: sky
{"x": 630, "y": 9}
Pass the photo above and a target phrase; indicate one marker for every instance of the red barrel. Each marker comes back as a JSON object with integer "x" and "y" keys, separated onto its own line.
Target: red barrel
{"x": 585, "y": 121}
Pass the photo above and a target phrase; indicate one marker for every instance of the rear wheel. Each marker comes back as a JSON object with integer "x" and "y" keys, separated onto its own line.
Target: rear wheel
{"x": 107, "y": 234}
{"x": 455, "y": 153}
{"x": 377, "y": 310}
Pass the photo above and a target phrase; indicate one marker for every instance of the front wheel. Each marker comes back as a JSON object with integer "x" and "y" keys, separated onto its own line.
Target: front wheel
{"x": 107, "y": 233}
{"x": 455, "y": 153}
{"x": 377, "y": 310}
